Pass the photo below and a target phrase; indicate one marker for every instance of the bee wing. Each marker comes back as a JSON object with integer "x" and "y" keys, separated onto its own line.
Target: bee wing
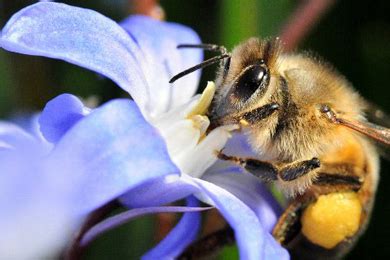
{"x": 376, "y": 115}
{"x": 378, "y": 133}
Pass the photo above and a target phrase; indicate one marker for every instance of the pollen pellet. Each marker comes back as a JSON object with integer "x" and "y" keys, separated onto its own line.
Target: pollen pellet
{"x": 332, "y": 218}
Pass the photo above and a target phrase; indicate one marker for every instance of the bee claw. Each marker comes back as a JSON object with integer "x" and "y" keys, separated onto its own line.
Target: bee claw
{"x": 222, "y": 156}
{"x": 315, "y": 163}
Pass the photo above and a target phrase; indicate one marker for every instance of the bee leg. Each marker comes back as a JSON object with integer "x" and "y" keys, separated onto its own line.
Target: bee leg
{"x": 338, "y": 181}
{"x": 209, "y": 245}
{"x": 295, "y": 170}
{"x": 259, "y": 113}
{"x": 247, "y": 118}
{"x": 264, "y": 170}
{"x": 289, "y": 225}
{"x": 269, "y": 172}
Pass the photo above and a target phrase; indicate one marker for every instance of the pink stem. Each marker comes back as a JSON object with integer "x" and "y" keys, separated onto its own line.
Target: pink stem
{"x": 147, "y": 7}
{"x": 302, "y": 21}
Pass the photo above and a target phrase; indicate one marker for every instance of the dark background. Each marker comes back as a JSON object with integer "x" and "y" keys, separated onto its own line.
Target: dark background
{"x": 353, "y": 35}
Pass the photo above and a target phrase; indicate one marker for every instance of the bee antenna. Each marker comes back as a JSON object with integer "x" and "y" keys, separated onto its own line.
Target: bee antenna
{"x": 205, "y": 46}
{"x": 199, "y": 66}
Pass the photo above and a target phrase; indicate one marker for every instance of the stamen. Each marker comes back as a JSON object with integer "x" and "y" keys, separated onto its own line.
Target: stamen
{"x": 204, "y": 101}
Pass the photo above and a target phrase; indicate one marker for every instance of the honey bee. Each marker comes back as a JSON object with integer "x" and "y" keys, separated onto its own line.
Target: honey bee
{"x": 308, "y": 127}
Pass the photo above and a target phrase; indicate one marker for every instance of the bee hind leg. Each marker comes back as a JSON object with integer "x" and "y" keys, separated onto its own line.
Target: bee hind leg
{"x": 289, "y": 225}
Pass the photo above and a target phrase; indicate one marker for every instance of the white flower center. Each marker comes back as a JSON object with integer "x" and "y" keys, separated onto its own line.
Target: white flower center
{"x": 184, "y": 130}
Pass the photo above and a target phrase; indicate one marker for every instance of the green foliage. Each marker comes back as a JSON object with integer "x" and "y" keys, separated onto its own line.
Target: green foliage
{"x": 129, "y": 241}
{"x": 5, "y": 86}
{"x": 229, "y": 253}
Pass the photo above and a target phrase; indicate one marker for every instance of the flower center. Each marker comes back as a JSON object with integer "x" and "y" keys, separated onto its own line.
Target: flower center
{"x": 184, "y": 130}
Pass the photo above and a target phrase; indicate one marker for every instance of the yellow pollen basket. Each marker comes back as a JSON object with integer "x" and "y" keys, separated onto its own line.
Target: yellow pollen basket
{"x": 332, "y": 218}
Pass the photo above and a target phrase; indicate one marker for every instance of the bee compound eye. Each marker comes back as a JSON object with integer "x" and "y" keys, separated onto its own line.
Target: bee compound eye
{"x": 252, "y": 79}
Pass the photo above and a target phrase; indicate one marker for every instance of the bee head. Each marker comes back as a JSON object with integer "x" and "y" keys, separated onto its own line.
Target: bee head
{"x": 245, "y": 77}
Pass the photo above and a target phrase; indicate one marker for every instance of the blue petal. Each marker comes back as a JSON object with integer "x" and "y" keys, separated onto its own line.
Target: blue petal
{"x": 79, "y": 36}
{"x": 59, "y": 115}
{"x": 249, "y": 190}
{"x": 238, "y": 146}
{"x": 158, "y": 192}
{"x": 36, "y": 214}
{"x": 253, "y": 241}
{"x": 29, "y": 123}
{"x": 158, "y": 42}
{"x": 109, "y": 152}
{"x": 169, "y": 189}
{"x": 13, "y": 136}
{"x": 182, "y": 235}
{"x": 126, "y": 216}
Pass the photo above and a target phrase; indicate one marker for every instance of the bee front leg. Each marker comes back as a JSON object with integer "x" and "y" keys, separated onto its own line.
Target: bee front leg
{"x": 269, "y": 172}
{"x": 258, "y": 114}
{"x": 247, "y": 118}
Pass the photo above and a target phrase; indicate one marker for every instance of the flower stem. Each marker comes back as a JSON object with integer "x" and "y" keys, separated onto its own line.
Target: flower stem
{"x": 147, "y": 7}
{"x": 302, "y": 21}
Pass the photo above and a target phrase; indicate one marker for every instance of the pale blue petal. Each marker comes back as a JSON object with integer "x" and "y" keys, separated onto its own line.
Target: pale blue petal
{"x": 109, "y": 152}
{"x": 246, "y": 187}
{"x": 158, "y": 43}
{"x": 126, "y": 216}
{"x": 249, "y": 190}
{"x": 245, "y": 219}
{"x": 36, "y": 216}
{"x": 59, "y": 115}
{"x": 79, "y": 36}
{"x": 42, "y": 196}
{"x": 29, "y": 123}
{"x": 12, "y": 136}
{"x": 253, "y": 241}
{"x": 158, "y": 192}
{"x": 238, "y": 145}
{"x": 182, "y": 235}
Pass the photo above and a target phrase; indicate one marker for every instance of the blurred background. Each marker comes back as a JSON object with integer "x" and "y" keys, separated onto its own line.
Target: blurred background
{"x": 354, "y": 36}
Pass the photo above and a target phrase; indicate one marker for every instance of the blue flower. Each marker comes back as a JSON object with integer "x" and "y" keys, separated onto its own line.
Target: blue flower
{"x": 45, "y": 192}
{"x": 148, "y": 154}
